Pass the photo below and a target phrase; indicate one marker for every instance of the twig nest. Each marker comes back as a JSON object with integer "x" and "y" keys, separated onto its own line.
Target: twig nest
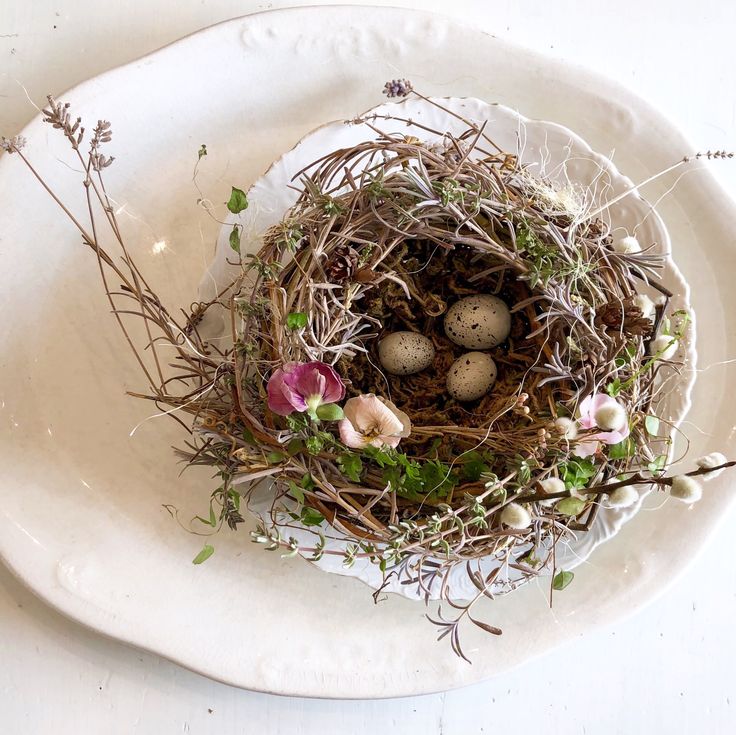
{"x": 471, "y": 376}
{"x": 516, "y": 516}
{"x": 626, "y": 245}
{"x": 623, "y": 497}
{"x": 714, "y": 459}
{"x": 405, "y": 353}
{"x": 686, "y": 489}
{"x": 478, "y": 322}
{"x": 665, "y": 346}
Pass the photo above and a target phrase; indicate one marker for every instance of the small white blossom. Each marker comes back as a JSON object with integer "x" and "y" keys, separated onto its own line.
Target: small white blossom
{"x": 623, "y": 497}
{"x": 627, "y": 245}
{"x": 645, "y": 305}
{"x": 516, "y": 516}
{"x": 665, "y": 344}
{"x": 686, "y": 489}
{"x": 611, "y": 416}
{"x": 712, "y": 460}
{"x": 566, "y": 427}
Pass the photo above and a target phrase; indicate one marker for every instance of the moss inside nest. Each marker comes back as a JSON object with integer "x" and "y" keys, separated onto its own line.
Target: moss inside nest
{"x": 436, "y": 278}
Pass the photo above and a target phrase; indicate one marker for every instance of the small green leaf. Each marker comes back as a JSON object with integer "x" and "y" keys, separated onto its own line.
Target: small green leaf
{"x": 614, "y": 388}
{"x": 235, "y": 239}
{"x": 238, "y": 201}
{"x": 295, "y": 446}
{"x": 350, "y": 465}
{"x": 275, "y": 457}
{"x": 296, "y": 492}
{"x": 311, "y": 517}
{"x": 658, "y": 465}
{"x": 314, "y": 444}
{"x": 213, "y": 517}
{"x": 330, "y": 412}
{"x": 652, "y": 425}
{"x": 570, "y": 506}
{"x": 626, "y": 448}
{"x": 561, "y": 580}
{"x": 297, "y": 320}
{"x": 203, "y": 555}
{"x": 202, "y": 152}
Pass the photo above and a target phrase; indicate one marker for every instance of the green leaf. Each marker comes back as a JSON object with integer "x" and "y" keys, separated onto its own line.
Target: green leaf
{"x": 614, "y": 387}
{"x": 203, "y": 555}
{"x": 310, "y": 516}
{"x": 576, "y": 473}
{"x": 652, "y": 425}
{"x": 234, "y": 239}
{"x": 202, "y": 152}
{"x": 473, "y": 466}
{"x": 213, "y": 517}
{"x": 248, "y": 436}
{"x": 626, "y": 448}
{"x": 658, "y": 465}
{"x": 570, "y": 506}
{"x": 314, "y": 444}
{"x": 329, "y": 412}
{"x": 296, "y": 492}
{"x": 297, "y": 320}
{"x": 350, "y": 465}
{"x": 275, "y": 457}
{"x": 561, "y": 580}
{"x": 307, "y": 482}
{"x": 381, "y": 457}
{"x": 238, "y": 201}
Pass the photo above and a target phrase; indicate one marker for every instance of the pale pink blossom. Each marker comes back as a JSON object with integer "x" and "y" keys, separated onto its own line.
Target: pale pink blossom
{"x": 372, "y": 420}
{"x": 594, "y": 405}
{"x": 300, "y": 387}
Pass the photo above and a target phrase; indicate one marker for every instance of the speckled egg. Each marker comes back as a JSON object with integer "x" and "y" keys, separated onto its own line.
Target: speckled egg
{"x": 478, "y": 322}
{"x": 471, "y": 376}
{"x": 405, "y": 353}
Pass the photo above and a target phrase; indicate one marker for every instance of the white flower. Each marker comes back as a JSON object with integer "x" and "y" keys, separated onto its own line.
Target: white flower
{"x": 645, "y": 305}
{"x": 686, "y": 489}
{"x": 665, "y": 345}
{"x": 712, "y": 460}
{"x": 623, "y": 497}
{"x": 627, "y": 245}
{"x": 611, "y": 416}
{"x": 566, "y": 427}
{"x": 516, "y": 516}
{"x": 372, "y": 420}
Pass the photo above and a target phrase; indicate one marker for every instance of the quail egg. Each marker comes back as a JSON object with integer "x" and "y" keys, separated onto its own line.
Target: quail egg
{"x": 405, "y": 353}
{"x": 478, "y": 322}
{"x": 471, "y": 376}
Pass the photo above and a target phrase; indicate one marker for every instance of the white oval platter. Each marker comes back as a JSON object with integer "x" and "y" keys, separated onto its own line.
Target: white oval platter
{"x": 81, "y": 517}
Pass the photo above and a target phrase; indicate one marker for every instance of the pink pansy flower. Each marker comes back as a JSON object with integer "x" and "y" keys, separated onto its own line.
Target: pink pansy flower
{"x": 300, "y": 386}
{"x": 372, "y": 420}
{"x": 597, "y": 409}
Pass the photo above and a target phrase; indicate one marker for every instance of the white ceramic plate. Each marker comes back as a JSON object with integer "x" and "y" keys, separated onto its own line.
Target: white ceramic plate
{"x": 550, "y": 151}
{"x": 80, "y": 513}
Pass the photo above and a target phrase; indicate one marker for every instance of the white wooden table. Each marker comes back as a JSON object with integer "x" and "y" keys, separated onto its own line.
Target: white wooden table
{"x": 669, "y": 669}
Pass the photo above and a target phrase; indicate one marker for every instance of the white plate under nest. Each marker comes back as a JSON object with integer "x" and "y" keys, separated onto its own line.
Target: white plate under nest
{"x": 80, "y": 501}
{"x": 550, "y": 151}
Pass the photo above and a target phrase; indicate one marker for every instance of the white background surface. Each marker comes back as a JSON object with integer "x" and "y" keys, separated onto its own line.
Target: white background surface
{"x": 670, "y": 669}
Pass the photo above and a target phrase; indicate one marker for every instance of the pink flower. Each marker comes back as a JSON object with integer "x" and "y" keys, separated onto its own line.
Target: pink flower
{"x": 299, "y": 386}
{"x": 599, "y": 410}
{"x": 372, "y": 420}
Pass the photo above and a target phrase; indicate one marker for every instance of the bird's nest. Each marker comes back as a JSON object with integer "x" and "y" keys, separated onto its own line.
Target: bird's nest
{"x": 385, "y": 236}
